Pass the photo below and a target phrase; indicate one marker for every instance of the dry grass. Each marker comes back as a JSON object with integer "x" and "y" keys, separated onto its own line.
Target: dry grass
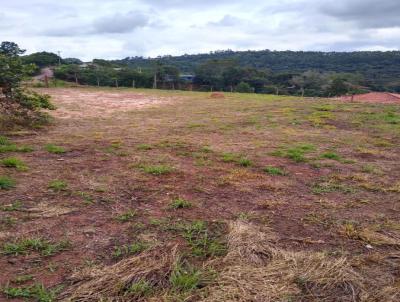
{"x": 259, "y": 271}
{"x": 112, "y": 283}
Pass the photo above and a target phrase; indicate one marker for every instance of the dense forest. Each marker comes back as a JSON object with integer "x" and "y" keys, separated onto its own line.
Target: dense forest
{"x": 280, "y": 72}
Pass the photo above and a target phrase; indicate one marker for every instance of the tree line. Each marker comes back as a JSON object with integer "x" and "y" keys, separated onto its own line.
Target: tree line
{"x": 289, "y": 73}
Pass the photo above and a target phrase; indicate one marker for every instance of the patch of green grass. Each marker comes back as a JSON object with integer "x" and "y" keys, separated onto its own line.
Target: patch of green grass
{"x": 206, "y": 149}
{"x": 29, "y": 245}
{"x": 274, "y": 171}
{"x": 331, "y": 155}
{"x": 296, "y": 153}
{"x": 38, "y": 292}
{"x": 129, "y": 249}
{"x": 392, "y": 118}
{"x": 13, "y": 162}
{"x": 51, "y": 148}
{"x": 140, "y": 289}
{"x": 58, "y": 185}
{"x": 236, "y": 158}
{"x": 157, "y": 169}
{"x": 244, "y": 162}
{"x": 203, "y": 241}
{"x": 229, "y": 157}
{"x": 15, "y": 206}
{"x": 180, "y": 203}
{"x": 127, "y": 216}
{"x": 184, "y": 279}
{"x": 4, "y": 141}
{"x": 6, "y": 183}
{"x": 144, "y": 147}
{"x": 15, "y": 148}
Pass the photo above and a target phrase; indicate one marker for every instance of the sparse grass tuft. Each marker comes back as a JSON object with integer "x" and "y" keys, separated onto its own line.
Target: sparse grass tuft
{"x": 15, "y": 206}
{"x": 140, "y": 289}
{"x": 129, "y": 249}
{"x": 29, "y": 245}
{"x": 236, "y": 158}
{"x": 180, "y": 203}
{"x": 38, "y": 292}
{"x": 58, "y": 185}
{"x": 157, "y": 169}
{"x": 13, "y": 162}
{"x": 274, "y": 171}
{"x": 54, "y": 149}
{"x": 4, "y": 141}
{"x": 244, "y": 162}
{"x": 6, "y": 183}
{"x": 144, "y": 147}
{"x": 185, "y": 279}
{"x": 296, "y": 153}
{"x": 127, "y": 216}
{"x": 331, "y": 155}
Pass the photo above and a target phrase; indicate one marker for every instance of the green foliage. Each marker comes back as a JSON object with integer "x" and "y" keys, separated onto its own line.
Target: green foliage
{"x": 36, "y": 291}
{"x": 41, "y": 59}
{"x": 140, "y": 289}
{"x": 16, "y": 104}
{"x": 13, "y": 162}
{"x": 29, "y": 245}
{"x": 296, "y": 153}
{"x": 236, "y": 158}
{"x": 203, "y": 242}
{"x": 157, "y": 169}
{"x": 54, "y": 149}
{"x": 185, "y": 279}
{"x": 243, "y": 87}
{"x": 7, "y": 146}
{"x": 6, "y": 183}
{"x": 144, "y": 147}
{"x": 58, "y": 185}
{"x": 331, "y": 155}
{"x": 274, "y": 171}
{"x": 180, "y": 203}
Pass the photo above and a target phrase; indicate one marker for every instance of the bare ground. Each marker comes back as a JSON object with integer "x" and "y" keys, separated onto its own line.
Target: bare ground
{"x": 339, "y": 193}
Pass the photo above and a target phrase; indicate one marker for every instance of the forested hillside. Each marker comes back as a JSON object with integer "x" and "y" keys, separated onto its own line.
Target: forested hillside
{"x": 380, "y": 69}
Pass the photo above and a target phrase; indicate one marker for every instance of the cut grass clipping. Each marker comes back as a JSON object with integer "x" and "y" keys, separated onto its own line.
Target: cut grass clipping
{"x": 54, "y": 149}
{"x": 13, "y": 162}
{"x": 6, "y": 183}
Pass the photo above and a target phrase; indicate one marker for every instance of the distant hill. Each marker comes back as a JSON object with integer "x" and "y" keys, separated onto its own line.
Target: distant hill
{"x": 378, "y": 68}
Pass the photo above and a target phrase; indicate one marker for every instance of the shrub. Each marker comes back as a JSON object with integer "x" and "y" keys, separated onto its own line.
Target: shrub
{"x": 244, "y": 87}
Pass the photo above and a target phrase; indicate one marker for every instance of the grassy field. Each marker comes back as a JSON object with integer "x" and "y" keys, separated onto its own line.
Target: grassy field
{"x": 140, "y": 195}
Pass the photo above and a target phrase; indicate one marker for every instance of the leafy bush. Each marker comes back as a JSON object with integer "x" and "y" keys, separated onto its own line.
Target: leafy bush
{"x": 244, "y": 87}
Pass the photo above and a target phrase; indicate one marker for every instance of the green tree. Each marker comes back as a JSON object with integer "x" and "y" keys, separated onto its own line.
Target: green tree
{"x": 244, "y": 87}
{"x": 16, "y": 103}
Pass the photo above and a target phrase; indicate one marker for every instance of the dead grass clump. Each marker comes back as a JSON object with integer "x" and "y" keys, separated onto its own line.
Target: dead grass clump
{"x": 115, "y": 283}
{"x": 259, "y": 271}
{"x": 217, "y": 95}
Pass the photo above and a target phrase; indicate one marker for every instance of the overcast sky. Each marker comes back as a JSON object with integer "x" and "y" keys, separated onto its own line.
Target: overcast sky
{"x": 108, "y": 29}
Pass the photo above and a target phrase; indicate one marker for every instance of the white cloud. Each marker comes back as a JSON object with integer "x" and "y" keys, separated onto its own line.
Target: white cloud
{"x": 115, "y": 29}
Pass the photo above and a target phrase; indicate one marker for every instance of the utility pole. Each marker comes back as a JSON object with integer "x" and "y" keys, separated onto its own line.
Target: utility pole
{"x": 59, "y": 58}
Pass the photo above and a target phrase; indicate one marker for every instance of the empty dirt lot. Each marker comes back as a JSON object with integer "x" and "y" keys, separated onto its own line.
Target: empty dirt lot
{"x": 140, "y": 195}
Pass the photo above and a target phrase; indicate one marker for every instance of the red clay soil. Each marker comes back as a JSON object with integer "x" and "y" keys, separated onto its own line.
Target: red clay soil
{"x": 374, "y": 97}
